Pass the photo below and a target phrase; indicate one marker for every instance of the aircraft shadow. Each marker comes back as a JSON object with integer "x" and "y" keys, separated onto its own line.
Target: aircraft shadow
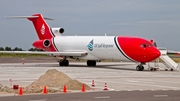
{"x": 121, "y": 67}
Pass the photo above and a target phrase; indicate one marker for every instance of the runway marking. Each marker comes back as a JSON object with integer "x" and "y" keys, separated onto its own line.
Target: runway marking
{"x": 132, "y": 81}
{"x": 160, "y": 95}
{"x": 102, "y": 97}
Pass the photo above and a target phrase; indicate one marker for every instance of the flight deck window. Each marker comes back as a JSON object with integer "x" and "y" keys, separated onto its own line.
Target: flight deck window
{"x": 142, "y": 46}
{"x": 145, "y": 45}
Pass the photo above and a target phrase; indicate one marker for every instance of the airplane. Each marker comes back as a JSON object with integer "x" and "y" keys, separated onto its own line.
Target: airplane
{"x": 91, "y": 48}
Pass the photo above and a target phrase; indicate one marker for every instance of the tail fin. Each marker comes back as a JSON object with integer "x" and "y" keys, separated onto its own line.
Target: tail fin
{"x": 40, "y": 25}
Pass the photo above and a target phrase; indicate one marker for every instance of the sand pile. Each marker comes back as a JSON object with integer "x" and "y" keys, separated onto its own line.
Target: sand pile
{"x": 5, "y": 89}
{"x": 55, "y": 81}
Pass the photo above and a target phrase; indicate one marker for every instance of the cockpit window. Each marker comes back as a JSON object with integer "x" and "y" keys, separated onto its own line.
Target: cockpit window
{"x": 146, "y": 45}
{"x": 142, "y": 46}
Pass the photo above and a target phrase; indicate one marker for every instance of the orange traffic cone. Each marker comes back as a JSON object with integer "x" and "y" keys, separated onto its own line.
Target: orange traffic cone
{"x": 64, "y": 89}
{"x": 44, "y": 90}
{"x": 83, "y": 88}
{"x": 20, "y": 91}
{"x": 105, "y": 87}
{"x": 93, "y": 85}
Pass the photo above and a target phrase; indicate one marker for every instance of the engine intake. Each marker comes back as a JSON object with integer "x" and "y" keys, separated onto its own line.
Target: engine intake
{"x": 57, "y": 31}
{"x": 46, "y": 43}
{"x": 61, "y": 30}
{"x": 42, "y": 44}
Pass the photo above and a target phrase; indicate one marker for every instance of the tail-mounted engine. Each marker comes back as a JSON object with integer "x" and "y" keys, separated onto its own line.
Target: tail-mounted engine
{"x": 42, "y": 44}
{"x": 57, "y": 31}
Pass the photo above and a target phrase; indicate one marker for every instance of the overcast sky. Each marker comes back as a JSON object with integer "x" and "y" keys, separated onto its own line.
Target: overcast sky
{"x": 150, "y": 19}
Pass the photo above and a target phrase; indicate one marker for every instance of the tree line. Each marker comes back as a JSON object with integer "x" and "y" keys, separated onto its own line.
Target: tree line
{"x": 17, "y": 49}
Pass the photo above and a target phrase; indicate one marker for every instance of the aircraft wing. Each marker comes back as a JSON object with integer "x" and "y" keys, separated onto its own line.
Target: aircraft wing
{"x": 64, "y": 53}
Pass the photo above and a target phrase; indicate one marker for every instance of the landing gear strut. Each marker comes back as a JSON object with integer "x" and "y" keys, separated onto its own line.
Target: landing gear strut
{"x": 64, "y": 62}
{"x": 140, "y": 67}
{"x": 91, "y": 63}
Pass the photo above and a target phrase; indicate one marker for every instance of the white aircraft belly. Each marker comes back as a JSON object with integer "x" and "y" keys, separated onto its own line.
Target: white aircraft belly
{"x": 99, "y": 52}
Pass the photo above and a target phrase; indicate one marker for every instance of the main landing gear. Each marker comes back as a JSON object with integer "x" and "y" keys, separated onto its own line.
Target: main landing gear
{"x": 140, "y": 67}
{"x": 91, "y": 63}
{"x": 64, "y": 62}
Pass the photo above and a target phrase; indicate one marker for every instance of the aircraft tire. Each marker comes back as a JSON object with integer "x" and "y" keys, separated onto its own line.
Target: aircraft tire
{"x": 93, "y": 63}
{"x": 89, "y": 63}
{"x": 66, "y": 62}
{"x": 137, "y": 68}
{"x": 61, "y": 63}
{"x": 140, "y": 68}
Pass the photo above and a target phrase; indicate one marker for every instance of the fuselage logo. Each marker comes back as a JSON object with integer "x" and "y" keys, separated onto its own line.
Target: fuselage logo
{"x": 90, "y": 45}
{"x": 43, "y": 29}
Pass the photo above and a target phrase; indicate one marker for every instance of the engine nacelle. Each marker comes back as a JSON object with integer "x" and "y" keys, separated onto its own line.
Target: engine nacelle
{"x": 42, "y": 44}
{"x": 57, "y": 31}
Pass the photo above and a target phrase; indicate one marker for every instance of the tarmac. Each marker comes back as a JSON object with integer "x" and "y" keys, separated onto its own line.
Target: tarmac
{"x": 102, "y": 96}
{"x": 119, "y": 76}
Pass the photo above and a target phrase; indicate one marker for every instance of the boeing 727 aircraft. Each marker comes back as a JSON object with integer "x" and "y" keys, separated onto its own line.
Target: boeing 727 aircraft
{"x": 90, "y": 48}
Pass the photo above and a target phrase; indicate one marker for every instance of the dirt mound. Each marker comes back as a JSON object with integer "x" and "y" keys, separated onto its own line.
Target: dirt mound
{"x": 56, "y": 80}
{"x": 53, "y": 79}
{"x": 5, "y": 89}
{"x": 76, "y": 85}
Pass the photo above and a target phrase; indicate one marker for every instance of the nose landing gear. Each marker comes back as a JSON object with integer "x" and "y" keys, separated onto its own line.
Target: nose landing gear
{"x": 140, "y": 67}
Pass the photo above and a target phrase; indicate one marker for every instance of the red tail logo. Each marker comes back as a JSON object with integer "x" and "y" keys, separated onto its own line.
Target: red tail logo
{"x": 41, "y": 27}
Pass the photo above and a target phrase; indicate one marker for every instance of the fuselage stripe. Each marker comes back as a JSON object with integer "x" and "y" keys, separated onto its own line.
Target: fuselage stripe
{"x": 118, "y": 46}
{"x": 54, "y": 45}
{"x": 52, "y": 32}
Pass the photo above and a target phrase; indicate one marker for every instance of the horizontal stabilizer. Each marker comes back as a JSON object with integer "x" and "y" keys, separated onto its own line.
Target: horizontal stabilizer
{"x": 65, "y": 53}
{"x": 12, "y": 17}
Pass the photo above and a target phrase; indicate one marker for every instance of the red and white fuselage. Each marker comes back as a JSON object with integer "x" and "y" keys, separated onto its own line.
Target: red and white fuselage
{"x": 120, "y": 48}
{"x": 91, "y": 48}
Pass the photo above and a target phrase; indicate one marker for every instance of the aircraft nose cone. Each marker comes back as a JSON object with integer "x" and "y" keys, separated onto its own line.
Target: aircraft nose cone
{"x": 156, "y": 53}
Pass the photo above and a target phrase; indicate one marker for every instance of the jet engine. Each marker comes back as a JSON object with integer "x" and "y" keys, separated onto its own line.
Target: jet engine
{"x": 41, "y": 44}
{"x": 57, "y": 31}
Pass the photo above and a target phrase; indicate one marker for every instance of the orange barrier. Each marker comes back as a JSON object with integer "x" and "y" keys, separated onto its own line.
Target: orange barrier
{"x": 64, "y": 90}
{"x": 83, "y": 88}
{"x": 44, "y": 90}
{"x": 93, "y": 85}
{"x": 20, "y": 91}
{"x": 105, "y": 87}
